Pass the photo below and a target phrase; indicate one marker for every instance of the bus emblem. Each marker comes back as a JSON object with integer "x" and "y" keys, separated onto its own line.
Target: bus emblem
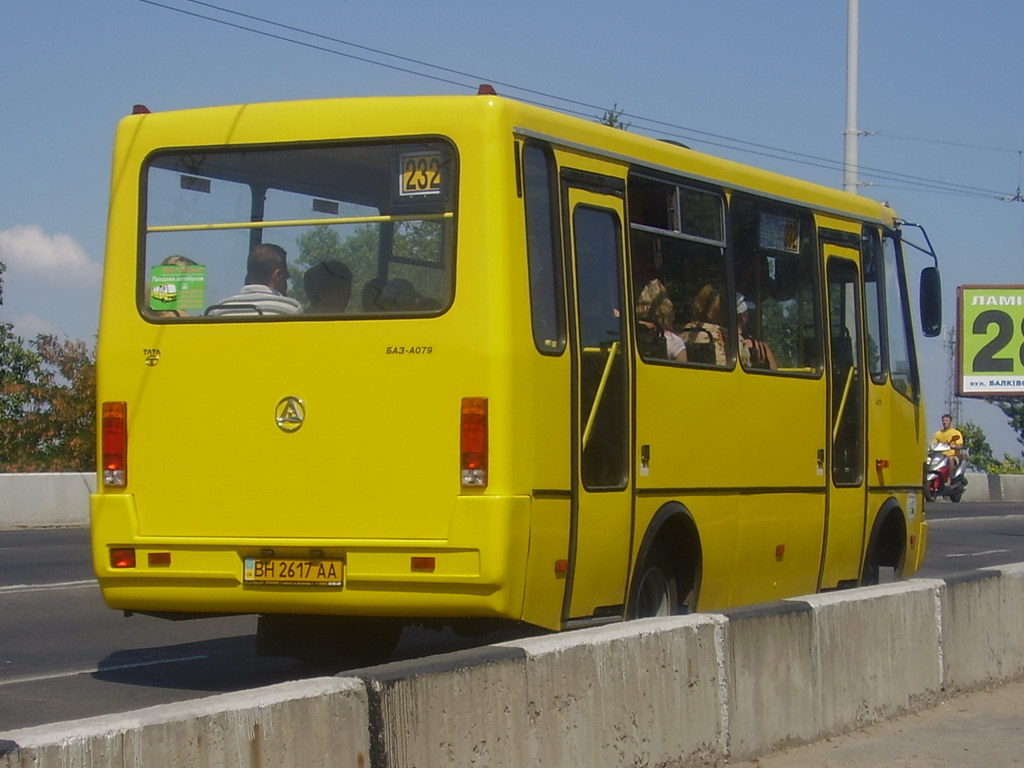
{"x": 290, "y": 414}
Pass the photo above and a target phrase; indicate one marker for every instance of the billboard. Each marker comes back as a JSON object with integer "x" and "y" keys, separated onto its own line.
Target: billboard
{"x": 990, "y": 340}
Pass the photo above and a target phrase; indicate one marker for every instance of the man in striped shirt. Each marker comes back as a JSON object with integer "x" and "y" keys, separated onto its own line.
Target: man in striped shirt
{"x": 266, "y": 282}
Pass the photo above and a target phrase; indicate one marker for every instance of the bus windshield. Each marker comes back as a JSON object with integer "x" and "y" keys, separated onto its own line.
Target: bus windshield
{"x": 366, "y": 229}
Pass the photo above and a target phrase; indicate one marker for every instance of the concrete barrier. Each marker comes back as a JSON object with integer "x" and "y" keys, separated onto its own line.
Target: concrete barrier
{"x": 690, "y": 690}
{"x": 45, "y": 499}
{"x": 317, "y": 722}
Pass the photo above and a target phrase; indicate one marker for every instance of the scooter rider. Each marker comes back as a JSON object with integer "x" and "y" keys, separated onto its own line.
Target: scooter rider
{"x": 952, "y": 437}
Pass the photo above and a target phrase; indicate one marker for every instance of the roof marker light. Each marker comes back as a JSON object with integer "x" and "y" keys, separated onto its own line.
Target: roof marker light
{"x": 486, "y": 89}
{"x": 140, "y": 109}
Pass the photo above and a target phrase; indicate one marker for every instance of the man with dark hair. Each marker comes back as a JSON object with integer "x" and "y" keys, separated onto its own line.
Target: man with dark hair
{"x": 328, "y": 286}
{"x": 266, "y": 282}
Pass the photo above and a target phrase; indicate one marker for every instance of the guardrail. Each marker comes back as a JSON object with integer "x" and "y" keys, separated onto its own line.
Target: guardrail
{"x": 690, "y": 690}
{"x": 53, "y": 499}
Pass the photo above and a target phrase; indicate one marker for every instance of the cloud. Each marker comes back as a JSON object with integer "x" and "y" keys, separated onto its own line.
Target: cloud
{"x": 30, "y": 250}
{"x": 30, "y": 325}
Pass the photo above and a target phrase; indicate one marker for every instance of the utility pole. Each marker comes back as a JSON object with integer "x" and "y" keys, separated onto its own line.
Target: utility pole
{"x": 952, "y": 398}
{"x": 850, "y": 182}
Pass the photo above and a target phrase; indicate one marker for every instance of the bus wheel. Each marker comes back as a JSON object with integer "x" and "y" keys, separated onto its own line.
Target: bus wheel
{"x": 654, "y": 592}
{"x": 354, "y": 641}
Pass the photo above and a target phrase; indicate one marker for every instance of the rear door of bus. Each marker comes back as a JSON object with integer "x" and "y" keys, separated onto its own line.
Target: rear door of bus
{"x": 601, "y": 419}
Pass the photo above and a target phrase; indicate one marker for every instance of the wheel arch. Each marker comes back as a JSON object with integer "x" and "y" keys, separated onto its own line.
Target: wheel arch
{"x": 674, "y": 529}
{"x": 887, "y": 542}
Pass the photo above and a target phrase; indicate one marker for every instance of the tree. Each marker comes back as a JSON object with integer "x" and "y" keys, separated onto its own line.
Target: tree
{"x": 979, "y": 452}
{"x": 613, "y": 117}
{"x": 1013, "y": 410}
{"x": 47, "y": 403}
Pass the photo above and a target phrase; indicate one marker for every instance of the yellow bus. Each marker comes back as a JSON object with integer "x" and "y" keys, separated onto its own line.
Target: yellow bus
{"x": 377, "y": 361}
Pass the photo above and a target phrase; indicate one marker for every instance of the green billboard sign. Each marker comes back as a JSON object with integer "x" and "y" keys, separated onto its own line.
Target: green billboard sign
{"x": 990, "y": 340}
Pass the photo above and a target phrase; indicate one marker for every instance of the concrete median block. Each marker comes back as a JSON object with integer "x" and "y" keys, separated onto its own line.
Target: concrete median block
{"x": 772, "y": 670}
{"x": 45, "y": 499}
{"x": 878, "y": 652}
{"x": 270, "y": 727}
{"x": 1012, "y": 487}
{"x": 983, "y": 627}
{"x": 647, "y": 692}
{"x": 462, "y": 708}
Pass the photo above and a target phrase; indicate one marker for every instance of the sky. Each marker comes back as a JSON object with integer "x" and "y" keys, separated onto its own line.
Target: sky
{"x": 764, "y": 83}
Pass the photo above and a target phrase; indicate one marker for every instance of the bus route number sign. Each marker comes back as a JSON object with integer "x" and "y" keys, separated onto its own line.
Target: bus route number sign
{"x": 990, "y": 344}
{"x": 422, "y": 174}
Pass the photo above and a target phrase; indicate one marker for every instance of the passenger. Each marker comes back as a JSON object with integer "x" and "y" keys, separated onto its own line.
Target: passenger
{"x": 754, "y": 353}
{"x": 654, "y": 311}
{"x": 328, "y": 286}
{"x": 705, "y": 334}
{"x": 266, "y": 282}
{"x": 177, "y": 260}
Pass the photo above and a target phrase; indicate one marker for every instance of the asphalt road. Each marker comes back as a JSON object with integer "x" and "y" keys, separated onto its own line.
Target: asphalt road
{"x": 64, "y": 655}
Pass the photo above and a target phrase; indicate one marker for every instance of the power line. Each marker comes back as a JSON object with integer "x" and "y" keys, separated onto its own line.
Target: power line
{"x": 665, "y": 128}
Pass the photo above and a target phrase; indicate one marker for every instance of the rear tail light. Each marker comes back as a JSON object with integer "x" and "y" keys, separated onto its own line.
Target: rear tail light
{"x": 115, "y": 445}
{"x": 473, "y": 442}
{"x": 122, "y": 558}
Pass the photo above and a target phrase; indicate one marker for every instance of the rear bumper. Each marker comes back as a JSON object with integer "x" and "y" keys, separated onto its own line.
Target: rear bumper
{"x": 478, "y": 569}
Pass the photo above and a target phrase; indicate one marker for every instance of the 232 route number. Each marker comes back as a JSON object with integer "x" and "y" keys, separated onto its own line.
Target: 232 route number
{"x": 421, "y": 174}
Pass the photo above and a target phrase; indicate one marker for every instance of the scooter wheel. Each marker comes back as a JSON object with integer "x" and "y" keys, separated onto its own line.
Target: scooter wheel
{"x": 929, "y": 495}
{"x": 955, "y": 497}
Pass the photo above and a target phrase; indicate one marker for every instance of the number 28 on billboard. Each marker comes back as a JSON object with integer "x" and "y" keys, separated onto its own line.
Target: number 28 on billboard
{"x": 990, "y": 340}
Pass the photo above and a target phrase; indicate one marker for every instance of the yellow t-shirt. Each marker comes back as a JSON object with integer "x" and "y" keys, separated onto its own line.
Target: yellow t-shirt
{"x": 951, "y": 437}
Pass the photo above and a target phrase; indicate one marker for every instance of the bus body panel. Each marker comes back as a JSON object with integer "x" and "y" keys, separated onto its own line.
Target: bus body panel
{"x": 372, "y": 476}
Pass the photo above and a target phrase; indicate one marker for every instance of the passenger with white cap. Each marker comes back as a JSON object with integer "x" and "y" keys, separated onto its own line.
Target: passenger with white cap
{"x": 754, "y": 353}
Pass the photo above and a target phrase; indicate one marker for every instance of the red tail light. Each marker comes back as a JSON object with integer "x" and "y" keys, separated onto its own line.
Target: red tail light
{"x": 473, "y": 442}
{"x": 115, "y": 444}
{"x": 122, "y": 558}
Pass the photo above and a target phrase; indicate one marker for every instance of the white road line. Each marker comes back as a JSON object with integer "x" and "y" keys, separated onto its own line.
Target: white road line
{"x": 96, "y": 670}
{"x": 979, "y": 554}
{"x": 13, "y": 589}
{"x": 986, "y": 518}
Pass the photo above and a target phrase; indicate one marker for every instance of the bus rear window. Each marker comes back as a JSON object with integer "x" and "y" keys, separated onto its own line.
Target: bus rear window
{"x": 290, "y": 233}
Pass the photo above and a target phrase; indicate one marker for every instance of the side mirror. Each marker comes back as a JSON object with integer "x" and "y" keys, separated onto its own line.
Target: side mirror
{"x": 931, "y": 302}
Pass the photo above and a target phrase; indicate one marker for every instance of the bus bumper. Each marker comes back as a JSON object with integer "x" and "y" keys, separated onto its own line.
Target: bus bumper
{"x": 477, "y": 571}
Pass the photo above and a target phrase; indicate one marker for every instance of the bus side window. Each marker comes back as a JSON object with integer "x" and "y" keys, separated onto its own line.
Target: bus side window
{"x": 677, "y": 245}
{"x": 776, "y": 269}
{"x": 543, "y": 246}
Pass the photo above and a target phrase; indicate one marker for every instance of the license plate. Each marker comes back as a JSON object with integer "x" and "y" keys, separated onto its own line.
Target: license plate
{"x": 275, "y": 570}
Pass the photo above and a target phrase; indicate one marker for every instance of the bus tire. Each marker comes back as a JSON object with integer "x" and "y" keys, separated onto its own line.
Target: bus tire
{"x": 654, "y": 592}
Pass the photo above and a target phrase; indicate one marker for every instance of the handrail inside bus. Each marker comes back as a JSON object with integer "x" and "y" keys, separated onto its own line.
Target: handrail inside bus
{"x": 613, "y": 350}
{"x": 298, "y": 222}
{"x": 842, "y": 403}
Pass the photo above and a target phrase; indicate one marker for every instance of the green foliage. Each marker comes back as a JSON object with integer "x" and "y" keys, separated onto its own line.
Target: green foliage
{"x": 981, "y": 458}
{"x": 414, "y": 241}
{"x": 1013, "y": 410}
{"x": 47, "y": 403}
{"x": 979, "y": 452}
{"x": 48, "y": 411}
{"x": 613, "y": 117}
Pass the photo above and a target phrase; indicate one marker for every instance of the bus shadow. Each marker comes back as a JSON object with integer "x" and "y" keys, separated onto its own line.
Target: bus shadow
{"x": 211, "y": 666}
{"x": 228, "y": 664}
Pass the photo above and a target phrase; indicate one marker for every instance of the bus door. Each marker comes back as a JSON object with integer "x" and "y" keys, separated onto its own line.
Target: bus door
{"x": 846, "y": 508}
{"x": 602, "y": 481}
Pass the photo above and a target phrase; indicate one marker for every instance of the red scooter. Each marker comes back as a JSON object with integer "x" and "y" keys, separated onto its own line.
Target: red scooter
{"x": 937, "y": 479}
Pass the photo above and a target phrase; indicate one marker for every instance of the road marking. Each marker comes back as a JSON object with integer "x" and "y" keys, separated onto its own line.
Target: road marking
{"x": 985, "y": 518}
{"x": 979, "y": 554}
{"x": 14, "y": 589}
{"x": 97, "y": 670}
